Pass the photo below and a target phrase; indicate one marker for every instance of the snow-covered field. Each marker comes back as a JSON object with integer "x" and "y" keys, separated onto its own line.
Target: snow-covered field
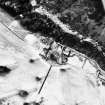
{"x": 77, "y": 85}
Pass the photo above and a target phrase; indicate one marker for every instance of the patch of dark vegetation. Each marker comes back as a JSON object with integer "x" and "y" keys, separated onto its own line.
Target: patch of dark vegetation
{"x": 4, "y": 70}
{"x": 85, "y": 16}
{"x": 36, "y": 22}
{"x": 9, "y": 10}
{"x": 38, "y": 79}
{"x": 16, "y": 7}
{"x": 23, "y": 93}
{"x": 31, "y": 60}
{"x": 63, "y": 70}
{"x": 26, "y": 103}
{"x": 99, "y": 12}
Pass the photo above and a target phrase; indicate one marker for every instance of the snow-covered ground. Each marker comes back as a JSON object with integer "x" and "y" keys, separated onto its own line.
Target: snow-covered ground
{"x": 77, "y": 85}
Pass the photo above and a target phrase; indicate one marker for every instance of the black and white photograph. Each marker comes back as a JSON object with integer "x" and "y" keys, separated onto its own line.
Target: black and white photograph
{"x": 52, "y": 52}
